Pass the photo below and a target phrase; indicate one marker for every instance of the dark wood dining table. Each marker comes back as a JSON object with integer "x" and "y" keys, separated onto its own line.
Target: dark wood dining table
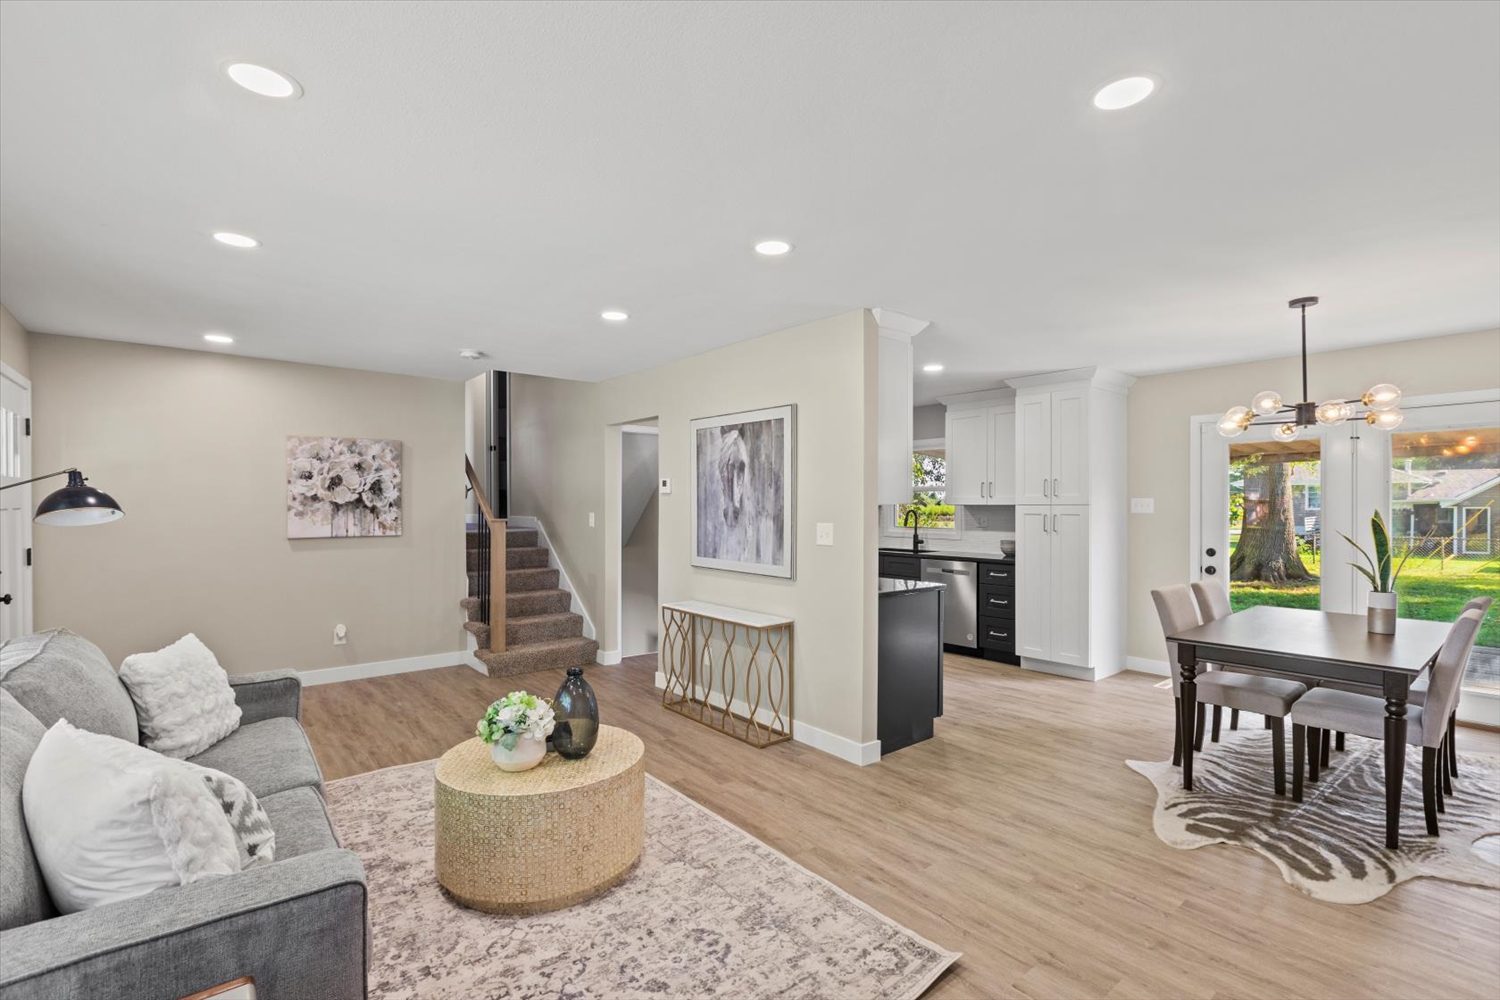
{"x": 1325, "y": 645}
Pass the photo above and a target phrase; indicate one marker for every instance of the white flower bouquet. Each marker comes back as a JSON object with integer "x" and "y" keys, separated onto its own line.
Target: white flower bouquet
{"x": 515, "y": 717}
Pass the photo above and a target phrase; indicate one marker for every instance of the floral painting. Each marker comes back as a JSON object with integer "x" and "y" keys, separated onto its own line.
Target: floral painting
{"x": 342, "y": 487}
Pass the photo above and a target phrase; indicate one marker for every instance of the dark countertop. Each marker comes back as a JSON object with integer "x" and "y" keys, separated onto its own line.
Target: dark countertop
{"x": 927, "y": 553}
{"x": 888, "y": 585}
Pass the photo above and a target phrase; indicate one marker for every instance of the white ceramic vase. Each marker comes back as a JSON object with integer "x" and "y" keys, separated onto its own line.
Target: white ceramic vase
{"x": 1381, "y": 615}
{"x": 527, "y": 754}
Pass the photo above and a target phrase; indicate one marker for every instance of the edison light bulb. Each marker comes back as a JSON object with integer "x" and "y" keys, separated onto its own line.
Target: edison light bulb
{"x": 1266, "y": 403}
{"x": 1286, "y": 432}
{"x": 1386, "y": 420}
{"x": 1334, "y": 411}
{"x": 1382, "y": 397}
{"x": 1235, "y": 420}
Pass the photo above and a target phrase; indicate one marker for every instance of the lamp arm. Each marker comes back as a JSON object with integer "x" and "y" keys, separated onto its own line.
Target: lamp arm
{"x": 27, "y": 482}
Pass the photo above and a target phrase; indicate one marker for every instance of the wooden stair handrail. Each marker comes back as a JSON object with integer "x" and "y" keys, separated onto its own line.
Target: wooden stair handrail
{"x": 496, "y": 527}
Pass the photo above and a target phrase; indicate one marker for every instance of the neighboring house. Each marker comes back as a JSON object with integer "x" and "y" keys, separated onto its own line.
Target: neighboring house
{"x": 1454, "y": 506}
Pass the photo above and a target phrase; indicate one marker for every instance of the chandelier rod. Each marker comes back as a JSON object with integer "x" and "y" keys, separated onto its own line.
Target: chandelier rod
{"x": 1304, "y": 352}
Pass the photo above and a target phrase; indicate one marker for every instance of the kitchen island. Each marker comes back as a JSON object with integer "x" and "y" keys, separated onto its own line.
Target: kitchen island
{"x": 910, "y": 671}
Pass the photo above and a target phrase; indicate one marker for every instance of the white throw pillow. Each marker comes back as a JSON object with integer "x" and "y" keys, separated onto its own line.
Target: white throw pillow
{"x": 109, "y": 820}
{"x": 182, "y": 697}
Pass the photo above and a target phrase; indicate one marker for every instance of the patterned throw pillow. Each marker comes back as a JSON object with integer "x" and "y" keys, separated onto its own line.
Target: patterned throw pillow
{"x": 247, "y": 817}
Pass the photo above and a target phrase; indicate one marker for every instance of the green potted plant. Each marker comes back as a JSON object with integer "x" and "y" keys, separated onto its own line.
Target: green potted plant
{"x": 516, "y": 728}
{"x": 1382, "y": 574}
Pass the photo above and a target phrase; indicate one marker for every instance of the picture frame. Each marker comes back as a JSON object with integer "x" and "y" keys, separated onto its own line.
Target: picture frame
{"x": 744, "y": 487}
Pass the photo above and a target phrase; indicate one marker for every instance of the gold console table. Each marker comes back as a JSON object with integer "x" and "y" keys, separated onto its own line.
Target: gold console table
{"x": 745, "y": 688}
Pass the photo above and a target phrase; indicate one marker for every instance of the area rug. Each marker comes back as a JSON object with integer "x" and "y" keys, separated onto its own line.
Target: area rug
{"x": 708, "y": 912}
{"x": 1332, "y": 844}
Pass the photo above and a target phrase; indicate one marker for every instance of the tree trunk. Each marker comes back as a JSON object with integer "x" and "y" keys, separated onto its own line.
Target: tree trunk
{"x": 1267, "y": 550}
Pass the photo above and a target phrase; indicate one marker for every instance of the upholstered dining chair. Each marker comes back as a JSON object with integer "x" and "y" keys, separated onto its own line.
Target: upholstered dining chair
{"x": 1426, "y": 724}
{"x": 1418, "y": 696}
{"x": 1271, "y": 697}
{"x": 1213, "y": 604}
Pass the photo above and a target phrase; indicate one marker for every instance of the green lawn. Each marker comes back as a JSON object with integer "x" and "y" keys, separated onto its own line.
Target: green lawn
{"x": 1428, "y": 590}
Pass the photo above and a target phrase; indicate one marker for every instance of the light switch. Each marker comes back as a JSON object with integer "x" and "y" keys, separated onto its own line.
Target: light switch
{"x": 666, "y": 487}
{"x": 1143, "y": 505}
{"x": 825, "y": 533}
{"x": 591, "y": 519}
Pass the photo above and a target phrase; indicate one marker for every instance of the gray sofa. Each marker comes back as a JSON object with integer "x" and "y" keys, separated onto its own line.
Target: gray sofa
{"x": 297, "y": 926}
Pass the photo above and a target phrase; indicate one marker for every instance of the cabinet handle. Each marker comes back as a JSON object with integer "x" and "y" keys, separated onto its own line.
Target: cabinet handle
{"x": 999, "y": 635}
{"x": 1000, "y": 601}
{"x": 1044, "y": 524}
{"x": 1044, "y": 488}
{"x": 992, "y": 489}
{"x": 981, "y": 487}
{"x": 1054, "y": 524}
{"x": 1054, "y": 488}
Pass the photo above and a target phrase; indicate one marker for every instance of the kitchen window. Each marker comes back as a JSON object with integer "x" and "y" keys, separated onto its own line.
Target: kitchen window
{"x": 929, "y": 487}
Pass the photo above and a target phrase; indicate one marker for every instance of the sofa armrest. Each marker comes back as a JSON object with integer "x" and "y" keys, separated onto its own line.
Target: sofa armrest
{"x": 297, "y": 927}
{"x": 267, "y": 695}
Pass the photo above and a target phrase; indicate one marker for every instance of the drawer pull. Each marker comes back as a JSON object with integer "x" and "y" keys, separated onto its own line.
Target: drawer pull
{"x": 1000, "y": 601}
{"x": 999, "y": 635}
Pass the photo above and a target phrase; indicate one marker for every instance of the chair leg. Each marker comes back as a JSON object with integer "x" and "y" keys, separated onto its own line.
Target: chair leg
{"x": 1314, "y": 751}
{"x": 1437, "y": 782}
{"x": 1234, "y": 719}
{"x": 1299, "y": 742}
{"x": 1339, "y": 746}
{"x": 1430, "y": 807}
{"x": 1443, "y": 754}
{"x": 1324, "y": 747}
{"x": 1218, "y": 714}
{"x": 1278, "y": 754}
{"x": 1452, "y": 747}
{"x": 1177, "y": 733}
{"x": 1198, "y": 728}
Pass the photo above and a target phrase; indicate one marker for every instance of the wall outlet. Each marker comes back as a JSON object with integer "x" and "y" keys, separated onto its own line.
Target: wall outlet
{"x": 666, "y": 487}
{"x": 591, "y": 519}
{"x": 825, "y": 533}
{"x": 340, "y": 635}
{"x": 1143, "y": 505}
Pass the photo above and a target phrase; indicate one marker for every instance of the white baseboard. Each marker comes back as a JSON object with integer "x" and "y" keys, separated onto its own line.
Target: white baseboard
{"x": 1058, "y": 669}
{"x": 379, "y": 668}
{"x": 608, "y": 657}
{"x": 838, "y": 746}
{"x": 1145, "y": 666}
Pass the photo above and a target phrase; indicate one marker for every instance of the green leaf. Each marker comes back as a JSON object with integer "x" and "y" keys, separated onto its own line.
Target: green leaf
{"x": 508, "y": 741}
{"x": 1382, "y": 541}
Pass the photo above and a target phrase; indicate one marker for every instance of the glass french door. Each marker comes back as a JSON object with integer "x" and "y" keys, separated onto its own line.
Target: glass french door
{"x": 1270, "y": 516}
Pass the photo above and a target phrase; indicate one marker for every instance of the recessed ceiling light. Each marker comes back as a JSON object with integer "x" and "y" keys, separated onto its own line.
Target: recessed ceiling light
{"x": 469, "y": 354}
{"x": 1124, "y": 93}
{"x": 237, "y": 240}
{"x": 614, "y": 315}
{"x": 218, "y": 338}
{"x": 773, "y": 248}
{"x": 263, "y": 81}
{"x": 932, "y": 368}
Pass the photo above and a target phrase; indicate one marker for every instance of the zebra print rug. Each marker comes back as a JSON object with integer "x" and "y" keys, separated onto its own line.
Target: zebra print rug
{"x": 1332, "y": 844}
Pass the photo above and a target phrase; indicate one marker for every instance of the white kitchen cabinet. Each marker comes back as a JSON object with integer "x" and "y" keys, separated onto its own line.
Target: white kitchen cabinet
{"x": 894, "y": 405}
{"x": 980, "y": 444}
{"x": 1070, "y": 521}
{"x": 1052, "y": 578}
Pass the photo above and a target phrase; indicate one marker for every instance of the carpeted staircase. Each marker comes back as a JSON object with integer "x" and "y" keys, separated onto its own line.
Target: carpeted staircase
{"x": 541, "y": 633}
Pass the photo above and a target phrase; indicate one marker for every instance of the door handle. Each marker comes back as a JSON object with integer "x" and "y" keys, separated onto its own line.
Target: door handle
{"x": 1210, "y": 570}
{"x": 5, "y": 599}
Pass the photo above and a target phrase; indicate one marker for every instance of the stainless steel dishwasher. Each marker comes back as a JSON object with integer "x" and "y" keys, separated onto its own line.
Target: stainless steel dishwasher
{"x": 960, "y": 599}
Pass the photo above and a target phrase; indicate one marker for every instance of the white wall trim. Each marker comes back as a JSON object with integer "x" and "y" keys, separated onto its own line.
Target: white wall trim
{"x": 833, "y": 744}
{"x": 608, "y": 657}
{"x": 379, "y": 668}
{"x": 1142, "y": 665}
{"x": 553, "y": 562}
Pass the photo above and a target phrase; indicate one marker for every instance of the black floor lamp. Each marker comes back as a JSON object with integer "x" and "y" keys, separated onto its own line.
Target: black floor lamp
{"x": 76, "y": 504}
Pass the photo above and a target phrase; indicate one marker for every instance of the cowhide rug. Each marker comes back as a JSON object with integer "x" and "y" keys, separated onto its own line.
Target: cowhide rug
{"x": 1331, "y": 845}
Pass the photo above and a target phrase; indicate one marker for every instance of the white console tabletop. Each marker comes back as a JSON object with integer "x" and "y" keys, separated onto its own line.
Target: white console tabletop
{"x": 724, "y": 613}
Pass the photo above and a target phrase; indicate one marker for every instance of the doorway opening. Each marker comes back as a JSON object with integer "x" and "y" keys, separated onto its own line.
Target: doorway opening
{"x": 639, "y": 522}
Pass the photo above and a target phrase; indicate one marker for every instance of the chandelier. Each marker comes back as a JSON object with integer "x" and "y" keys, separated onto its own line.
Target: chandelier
{"x": 1381, "y": 403}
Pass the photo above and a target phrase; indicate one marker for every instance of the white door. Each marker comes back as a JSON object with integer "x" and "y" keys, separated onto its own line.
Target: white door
{"x": 1070, "y": 453}
{"x": 1034, "y": 448}
{"x": 15, "y": 505}
{"x": 1033, "y": 581}
{"x": 968, "y": 458}
{"x": 1069, "y": 602}
{"x": 1002, "y": 454}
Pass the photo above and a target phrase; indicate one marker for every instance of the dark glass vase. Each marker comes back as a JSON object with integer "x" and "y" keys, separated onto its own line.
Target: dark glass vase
{"x": 577, "y": 712}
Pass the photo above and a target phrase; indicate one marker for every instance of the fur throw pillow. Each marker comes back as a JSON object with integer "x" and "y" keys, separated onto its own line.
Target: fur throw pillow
{"x": 182, "y": 697}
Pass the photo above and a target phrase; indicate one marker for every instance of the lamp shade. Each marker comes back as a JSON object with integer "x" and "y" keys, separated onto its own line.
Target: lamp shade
{"x": 78, "y": 504}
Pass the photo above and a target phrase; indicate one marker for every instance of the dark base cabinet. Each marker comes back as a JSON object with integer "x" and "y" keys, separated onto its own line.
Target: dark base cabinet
{"x": 910, "y": 668}
{"x": 997, "y": 612}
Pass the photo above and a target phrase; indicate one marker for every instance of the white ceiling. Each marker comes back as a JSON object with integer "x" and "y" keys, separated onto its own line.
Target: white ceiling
{"x": 493, "y": 175}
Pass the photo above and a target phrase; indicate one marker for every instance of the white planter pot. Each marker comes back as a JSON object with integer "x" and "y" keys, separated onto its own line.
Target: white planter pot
{"x": 1381, "y": 615}
{"x": 527, "y": 754}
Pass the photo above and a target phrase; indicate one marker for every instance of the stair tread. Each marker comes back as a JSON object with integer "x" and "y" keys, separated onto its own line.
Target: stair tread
{"x": 546, "y": 616}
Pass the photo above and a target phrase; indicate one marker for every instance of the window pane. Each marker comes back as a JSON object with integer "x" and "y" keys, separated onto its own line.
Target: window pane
{"x": 929, "y": 481}
{"x": 1445, "y": 486}
{"x": 1275, "y": 524}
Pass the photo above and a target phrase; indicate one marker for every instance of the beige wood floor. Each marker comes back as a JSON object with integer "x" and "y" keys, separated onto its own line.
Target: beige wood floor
{"x": 1016, "y": 836}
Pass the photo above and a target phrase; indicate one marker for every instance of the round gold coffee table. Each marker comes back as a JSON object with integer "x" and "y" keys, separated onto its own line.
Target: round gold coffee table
{"x": 524, "y": 842}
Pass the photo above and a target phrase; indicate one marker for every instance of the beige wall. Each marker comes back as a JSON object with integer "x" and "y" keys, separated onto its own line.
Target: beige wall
{"x": 1159, "y": 440}
{"x": 15, "y": 343}
{"x": 192, "y": 445}
{"x": 564, "y": 459}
